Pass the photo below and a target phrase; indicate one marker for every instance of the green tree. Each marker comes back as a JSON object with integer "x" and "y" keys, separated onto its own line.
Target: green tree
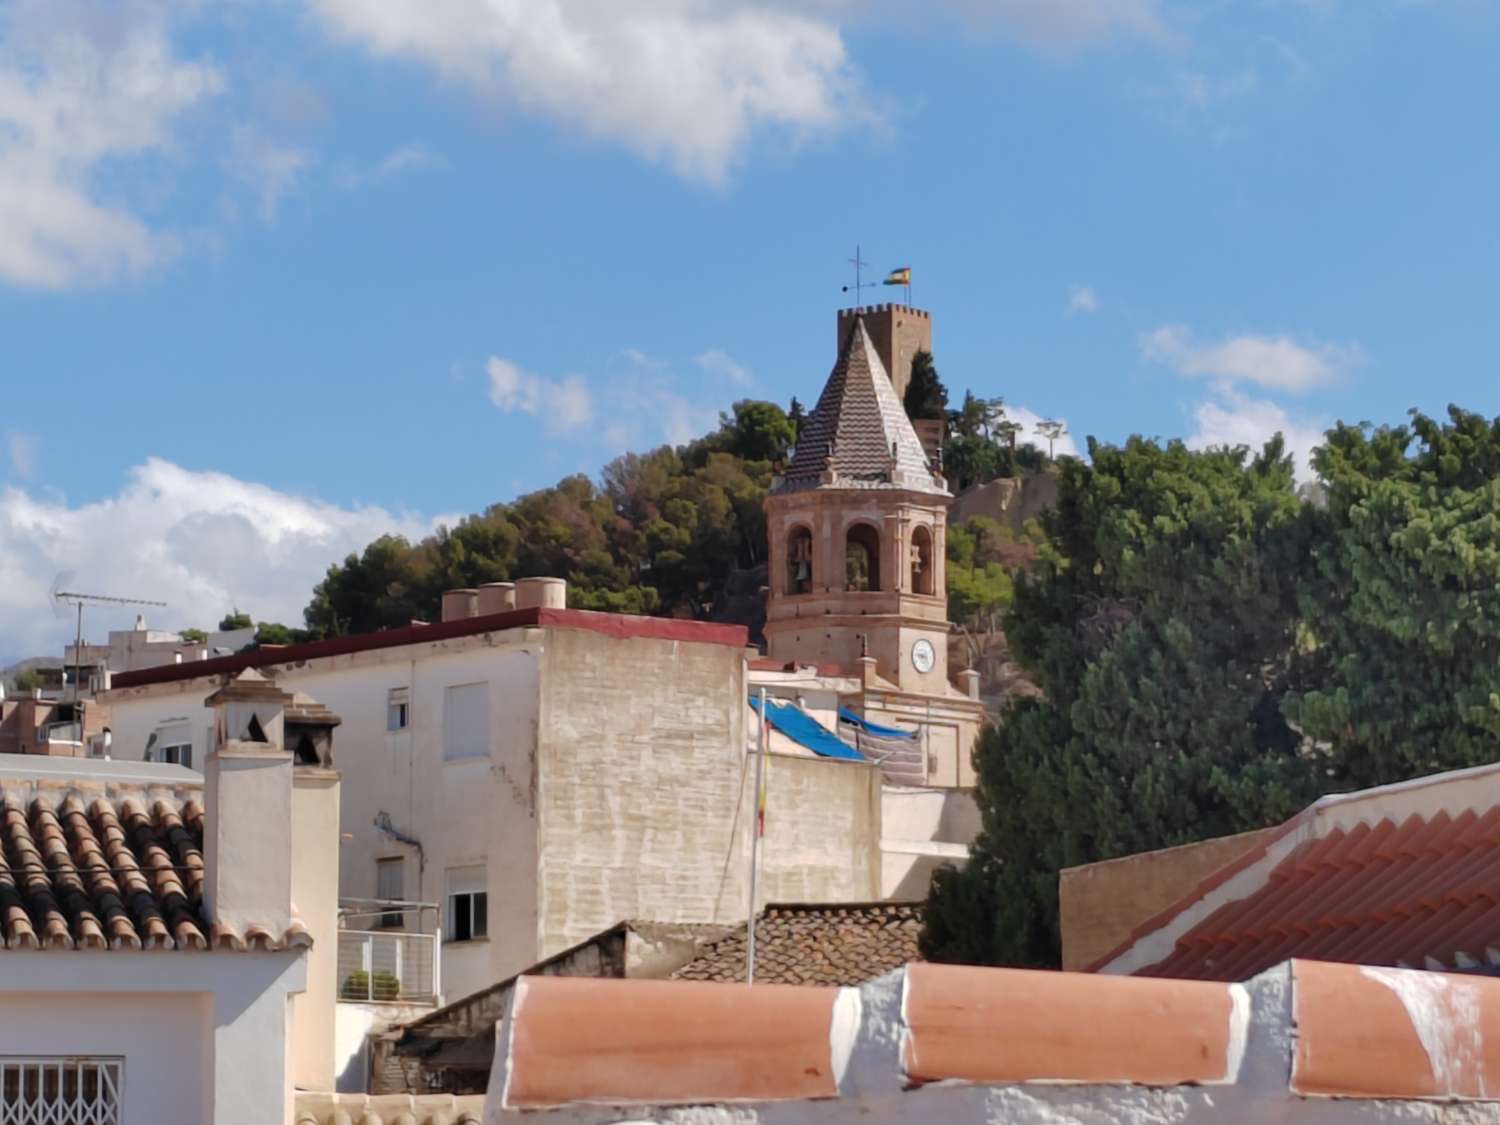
{"x": 234, "y": 619}
{"x": 275, "y": 633}
{"x": 926, "y": 397}
{"x": 1403, "y": 608}
{"x": 193, "y": 636}
{"x": 28, "y": 680}
{"x": 796, "y": 416}
{"x": 1160, "y": 621}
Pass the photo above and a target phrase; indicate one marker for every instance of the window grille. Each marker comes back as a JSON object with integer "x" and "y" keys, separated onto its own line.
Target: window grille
{"x": 61, "y": 1090}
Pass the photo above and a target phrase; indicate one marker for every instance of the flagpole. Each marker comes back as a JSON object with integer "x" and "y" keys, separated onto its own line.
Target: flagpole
{"x": 760, "y": 765}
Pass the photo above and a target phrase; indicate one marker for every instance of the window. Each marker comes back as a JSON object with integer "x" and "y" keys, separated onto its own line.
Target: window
{"x": 468, "y": 904}
{"x": 76, "y": 1090}
{"x": 466, "y": 721}
{"x": 172, "y": 742}
{"x": 178, "y": 755}
{"x": 862, "y": 558}
{"x": 397, "y": 709}
{"x": 799, "y": 560}
{"x": 390, "y": 880}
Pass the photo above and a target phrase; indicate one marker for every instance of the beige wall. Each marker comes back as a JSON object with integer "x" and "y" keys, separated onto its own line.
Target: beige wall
{"x": 1101, "y": 903}
{"x": 641, "y": 749}
{"x": 822, "y": 841}
{"x": 315, "y": 894}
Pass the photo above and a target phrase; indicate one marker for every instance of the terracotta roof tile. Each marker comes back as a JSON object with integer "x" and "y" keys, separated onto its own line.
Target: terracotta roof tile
{"x": 824, "y": 944}
{"x": 122, "y": 871}
{"x": 660, "y": 1042}
{"x": 1415, "y": 889}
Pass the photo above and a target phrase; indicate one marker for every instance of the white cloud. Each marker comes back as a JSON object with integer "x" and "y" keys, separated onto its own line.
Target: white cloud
{"x": 562, "y": 404}
{"x": 1236, "y": 419}
{"x": 682, "y": 81}
{"x": 201, "y": 541}
{"x": 1063, "y": 446}
{"x": 84, "y": 83}
{"x": 22, "y": 451}
{"x": 1082, "y": 299}
{"x": 268, "y": 168}
{"x": 1276, "y": 362}
{"x": 721, "y": 364}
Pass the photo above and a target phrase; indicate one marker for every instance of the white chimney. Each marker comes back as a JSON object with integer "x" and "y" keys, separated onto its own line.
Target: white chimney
{"x": 247, "y": 850}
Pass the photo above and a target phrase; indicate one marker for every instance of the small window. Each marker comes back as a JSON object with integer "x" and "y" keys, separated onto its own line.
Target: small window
{"x": 466, "y": 721}
{"x": 468, "y": 904}
{"x": 390, "y": 880}
{"x": 76, "y": 1089}
{"x": 178, "y": 755}
{"x": 397, "y": 709}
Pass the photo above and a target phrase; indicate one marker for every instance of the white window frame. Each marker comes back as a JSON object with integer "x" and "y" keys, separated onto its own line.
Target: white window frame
{"x": 397, "y": 709}
{"x": 456, "y": 744}
{"x": 174, "y": 746}
{"x": 24, "y": 1079}
{"x": 468, "y": 888}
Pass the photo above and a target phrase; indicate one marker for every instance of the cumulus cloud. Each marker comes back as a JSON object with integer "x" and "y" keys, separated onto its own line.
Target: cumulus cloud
{"x": 682, "y": 81}
{"x": 1237, "y": 419}
{"x": 721, "y": 364}
{"x": 1082, "y": 299}
{"x": 1064, "y": 446}
{"x": 84, "y": 83}
{"x": 1275, "y": 362}
{"x": 562, "y": 404}
{"x": 203, "y": 542}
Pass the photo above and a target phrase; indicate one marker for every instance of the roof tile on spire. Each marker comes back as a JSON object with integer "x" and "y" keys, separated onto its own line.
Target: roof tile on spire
{"x": 859, "y": 431}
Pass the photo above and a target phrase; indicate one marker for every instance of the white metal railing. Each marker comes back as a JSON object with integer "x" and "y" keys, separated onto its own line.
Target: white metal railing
{"x": 41, "y": 1090}
{"x": 383, "y": 966}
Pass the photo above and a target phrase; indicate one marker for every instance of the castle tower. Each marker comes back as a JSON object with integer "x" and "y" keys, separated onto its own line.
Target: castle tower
{"x": 857, "y": 529}
{"x": 898, "y": 332}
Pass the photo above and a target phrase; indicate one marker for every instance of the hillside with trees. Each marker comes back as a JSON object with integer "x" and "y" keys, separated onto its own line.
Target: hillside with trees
{"x": 1215, "y": 649}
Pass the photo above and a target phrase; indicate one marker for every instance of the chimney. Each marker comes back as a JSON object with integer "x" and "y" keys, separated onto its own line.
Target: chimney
{"x": 247, "y": 832}
{"x": 968, "y": 679}
{"x": 315, "y": 892}
{"x": 496, "y": 597}
{"x": 544, "y": 593}
{"x": 458, "y": 604}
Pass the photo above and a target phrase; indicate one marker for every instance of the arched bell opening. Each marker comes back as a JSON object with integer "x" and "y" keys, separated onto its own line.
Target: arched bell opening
{"x": 799, "y": 562}
{"x": 923, "y": 570}
{"x": 862, "y": 558}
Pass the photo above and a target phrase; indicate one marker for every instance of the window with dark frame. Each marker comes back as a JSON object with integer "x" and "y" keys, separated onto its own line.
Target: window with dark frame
{"x": 397, "y": 709}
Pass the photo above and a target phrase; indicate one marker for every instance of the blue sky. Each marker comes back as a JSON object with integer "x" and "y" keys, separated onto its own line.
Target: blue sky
{"x": 276, "y": 277}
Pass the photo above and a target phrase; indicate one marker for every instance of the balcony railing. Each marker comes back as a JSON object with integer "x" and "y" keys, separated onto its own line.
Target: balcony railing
{"x": 388, "y": 967}
{"x": 400, "y": 962}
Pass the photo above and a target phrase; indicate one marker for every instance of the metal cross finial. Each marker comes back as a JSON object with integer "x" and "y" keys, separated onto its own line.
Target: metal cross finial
{"x": 859, "y": 283}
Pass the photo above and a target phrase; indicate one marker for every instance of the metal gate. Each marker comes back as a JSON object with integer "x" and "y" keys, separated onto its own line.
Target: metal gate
{"x": 60, "y": 1090}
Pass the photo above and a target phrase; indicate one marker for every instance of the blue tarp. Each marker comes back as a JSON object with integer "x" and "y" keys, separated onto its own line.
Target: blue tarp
{"x": 848, "y": 716}
{"x": 806, "y": 731}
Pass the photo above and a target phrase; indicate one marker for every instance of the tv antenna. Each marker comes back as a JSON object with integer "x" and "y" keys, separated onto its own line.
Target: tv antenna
{"x": 62, "y": 599}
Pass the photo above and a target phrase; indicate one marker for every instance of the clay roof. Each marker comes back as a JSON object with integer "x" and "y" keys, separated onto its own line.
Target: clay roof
{"x": 906, "y": 1045}
{"x": 110, "y": 867}
{"x": 1401, "y": 875}
{"x": 620, "y": 625}
{"x": 388, "y": 1109}
{"x": 859, "y": 430}
{"x": 823, "y": 944}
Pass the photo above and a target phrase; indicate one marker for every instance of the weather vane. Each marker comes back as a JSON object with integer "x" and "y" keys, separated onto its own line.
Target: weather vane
{"x": 859, "y": 283}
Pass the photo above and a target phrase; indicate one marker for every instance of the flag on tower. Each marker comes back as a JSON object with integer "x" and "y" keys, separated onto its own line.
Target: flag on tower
{"x": 899, "y": 276}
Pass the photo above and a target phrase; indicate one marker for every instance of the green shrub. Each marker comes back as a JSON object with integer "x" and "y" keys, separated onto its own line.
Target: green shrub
{"x": 357, "y": 986}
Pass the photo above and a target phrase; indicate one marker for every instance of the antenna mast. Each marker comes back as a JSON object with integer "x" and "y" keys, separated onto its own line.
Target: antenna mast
{"x": 73, "y": 598}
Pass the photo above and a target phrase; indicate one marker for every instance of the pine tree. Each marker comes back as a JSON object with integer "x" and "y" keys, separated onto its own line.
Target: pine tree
{"x": 926, "y": 397}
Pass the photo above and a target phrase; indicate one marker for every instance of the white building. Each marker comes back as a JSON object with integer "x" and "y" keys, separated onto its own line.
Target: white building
{"x": 168, "y": 935}
{"x": 544, "y": 773}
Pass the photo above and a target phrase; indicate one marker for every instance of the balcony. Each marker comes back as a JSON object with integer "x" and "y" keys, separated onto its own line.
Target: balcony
{"x": 389, "y": 953}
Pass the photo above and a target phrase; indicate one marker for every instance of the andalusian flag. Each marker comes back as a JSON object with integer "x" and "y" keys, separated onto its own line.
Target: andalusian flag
{"x": 901, "y": 276}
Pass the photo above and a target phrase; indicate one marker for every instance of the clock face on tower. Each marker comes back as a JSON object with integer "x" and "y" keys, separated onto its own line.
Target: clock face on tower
{"x": 922, "y": 656}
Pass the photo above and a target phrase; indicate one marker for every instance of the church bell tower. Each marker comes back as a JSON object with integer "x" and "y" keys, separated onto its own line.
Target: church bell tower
{"x": 857, "y": 523}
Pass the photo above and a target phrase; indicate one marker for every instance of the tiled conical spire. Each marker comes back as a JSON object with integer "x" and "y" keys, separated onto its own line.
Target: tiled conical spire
{"x": 859, "y": 436}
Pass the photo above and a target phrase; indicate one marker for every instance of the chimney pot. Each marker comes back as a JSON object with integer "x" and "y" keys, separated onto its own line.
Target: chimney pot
{"x": 542, "y": 593}
{"x": 458, "y": 604}
{"x": 496, "y": 597}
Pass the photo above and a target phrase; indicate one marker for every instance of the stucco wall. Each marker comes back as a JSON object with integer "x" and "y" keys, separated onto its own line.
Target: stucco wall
{"x": 641, "y": 751}
{"x": 315, "y": 892}
{"x": 1101, "y": 903}
{"x": 204, "y": 1035}
{"x": 822, "y": 832}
